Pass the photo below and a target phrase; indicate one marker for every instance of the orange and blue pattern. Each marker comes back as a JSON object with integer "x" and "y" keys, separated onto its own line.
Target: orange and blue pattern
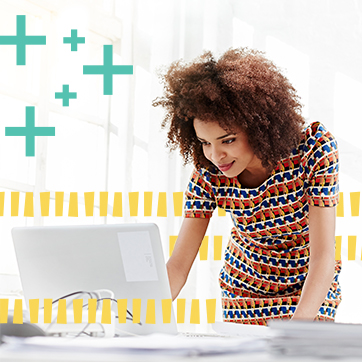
{"x": 267, "y": 256}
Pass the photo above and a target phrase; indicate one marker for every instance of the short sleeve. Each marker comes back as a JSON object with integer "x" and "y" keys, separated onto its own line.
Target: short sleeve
{"x": 322, "y": 167}
{"x": 199, "y": 197}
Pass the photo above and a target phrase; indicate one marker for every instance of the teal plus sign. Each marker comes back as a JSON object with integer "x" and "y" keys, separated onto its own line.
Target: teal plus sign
{"x": 65, "y": 95}
{"x": 107, "y": 69}
{"x": 21, "y": 40}
{"x": 74, "y": 40}
{"x": 30, "y": 131}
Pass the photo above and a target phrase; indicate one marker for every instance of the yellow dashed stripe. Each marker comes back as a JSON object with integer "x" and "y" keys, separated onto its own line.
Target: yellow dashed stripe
{"x": 355, "y": 201}
{"x": 338, "y": 247}
{"x": 340, "y": 206}
{"x": 352, "y": 242}
{"x": 61, "y": 317}
{"x": 133, "y": 204}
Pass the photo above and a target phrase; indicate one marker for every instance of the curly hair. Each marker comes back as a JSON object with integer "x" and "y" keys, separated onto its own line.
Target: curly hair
{"x": 241, "y": 90}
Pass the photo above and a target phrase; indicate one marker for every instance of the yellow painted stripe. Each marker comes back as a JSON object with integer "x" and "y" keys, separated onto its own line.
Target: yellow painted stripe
{"x": 44, "y": 203}
{"x": 73, "y": 204}
{"x": 29, "y": 205}
{"x": 217, "y": 247}
{"x": 78, "y": 310}
{"x": 204, "y": 248}
{"x": 18, "y": 312}
{"x": 89, "y": 203}
{"x": 355, "y": 202}
{"x": 211, "y": 310}
{"x": 162, "y": 205}
{"x": 62, "y": 312}
{"x": 2, "y": 203}
{"x": 59, "y": 201}
{"x": 340, "y": 206}
{"x": 122, "y": 310}
{"x": 338, "y": 247}
{"x": 195, "y": 312}
{"x": 92, "y": 310}
{"x": 181, "y": 307}
{"x": 133, "y": 203}
{"x": 172, "y": 243}
{"x": 34, "y": 310}
{"x": 147, "y": 204}
{"x": 178, "y": 203}
{"x": 166, "y": 310}
{"x": 103, "y": 203}
{"x": 4, "y": 310}
{"x": 48, "y": 308}
{"x": 221, "y": 212}
{"x": 106, "y": 311}
{"x": 136, "y": 310}
{"x": 352, "y": 241}
{"x": 151, "y": 312}
{"x": 15, "y": 203}
{"x": 117, "y": 205}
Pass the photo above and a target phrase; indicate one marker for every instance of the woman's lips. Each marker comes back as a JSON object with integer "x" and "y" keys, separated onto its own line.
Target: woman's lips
{"x": 225, "y": 167}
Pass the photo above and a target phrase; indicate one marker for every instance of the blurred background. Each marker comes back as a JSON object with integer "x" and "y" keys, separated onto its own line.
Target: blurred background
{"x": 115, "y": 143}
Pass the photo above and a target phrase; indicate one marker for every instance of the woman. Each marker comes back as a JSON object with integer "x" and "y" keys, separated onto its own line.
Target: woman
{"x": 238, "y": 119}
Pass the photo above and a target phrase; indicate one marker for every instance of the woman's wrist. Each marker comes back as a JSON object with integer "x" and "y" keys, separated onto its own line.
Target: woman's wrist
{"x": 176, "y": 279}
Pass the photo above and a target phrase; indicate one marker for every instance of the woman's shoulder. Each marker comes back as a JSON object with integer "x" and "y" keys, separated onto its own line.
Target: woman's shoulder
{"x": 316, "y": 143}
{"x": 316, "y": 137}
{"x": 316, "y": 129}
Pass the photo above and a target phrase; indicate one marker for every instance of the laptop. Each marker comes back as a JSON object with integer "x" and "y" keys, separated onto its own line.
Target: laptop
{"x": 126, "y": 259}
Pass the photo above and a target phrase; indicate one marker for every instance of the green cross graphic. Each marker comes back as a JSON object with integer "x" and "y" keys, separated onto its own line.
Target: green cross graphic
{"x": 107, "y": 69}
{"x": 30, "y": 131}
{"x": 74, "y": 40}
{"x": 65, "y": 95}
{"x": 21, "y": 40}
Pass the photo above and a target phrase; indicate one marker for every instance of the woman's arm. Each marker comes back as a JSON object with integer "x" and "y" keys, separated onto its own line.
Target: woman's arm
{"x": 188, "y": 243}
{"x": 321, "y": 261}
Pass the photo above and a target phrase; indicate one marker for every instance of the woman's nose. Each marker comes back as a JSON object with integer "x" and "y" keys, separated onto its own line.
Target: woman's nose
{"x": 217, "y": 155}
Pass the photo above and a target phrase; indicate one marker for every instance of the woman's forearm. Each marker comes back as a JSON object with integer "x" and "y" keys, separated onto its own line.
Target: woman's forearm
{"x": 188, "y": 243}
{"x": 316, "y": 286}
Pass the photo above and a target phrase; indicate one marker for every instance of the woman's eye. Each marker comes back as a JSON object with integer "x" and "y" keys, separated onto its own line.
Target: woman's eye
{"x": 204, "y": 143}
{"x": 231, "y": 140}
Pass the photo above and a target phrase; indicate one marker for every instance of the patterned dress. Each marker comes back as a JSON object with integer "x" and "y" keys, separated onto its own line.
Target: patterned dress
{"x": 267, "y": 256}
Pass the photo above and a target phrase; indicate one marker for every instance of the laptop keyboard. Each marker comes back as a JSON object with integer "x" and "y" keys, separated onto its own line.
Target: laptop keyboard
{"x": 203, "y": 335}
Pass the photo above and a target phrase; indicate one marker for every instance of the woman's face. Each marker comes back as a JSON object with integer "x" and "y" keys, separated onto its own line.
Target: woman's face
{"x": 230, "y": 152}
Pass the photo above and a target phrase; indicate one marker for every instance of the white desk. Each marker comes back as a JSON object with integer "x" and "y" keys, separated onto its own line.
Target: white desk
{"x": 68, "y": 355}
